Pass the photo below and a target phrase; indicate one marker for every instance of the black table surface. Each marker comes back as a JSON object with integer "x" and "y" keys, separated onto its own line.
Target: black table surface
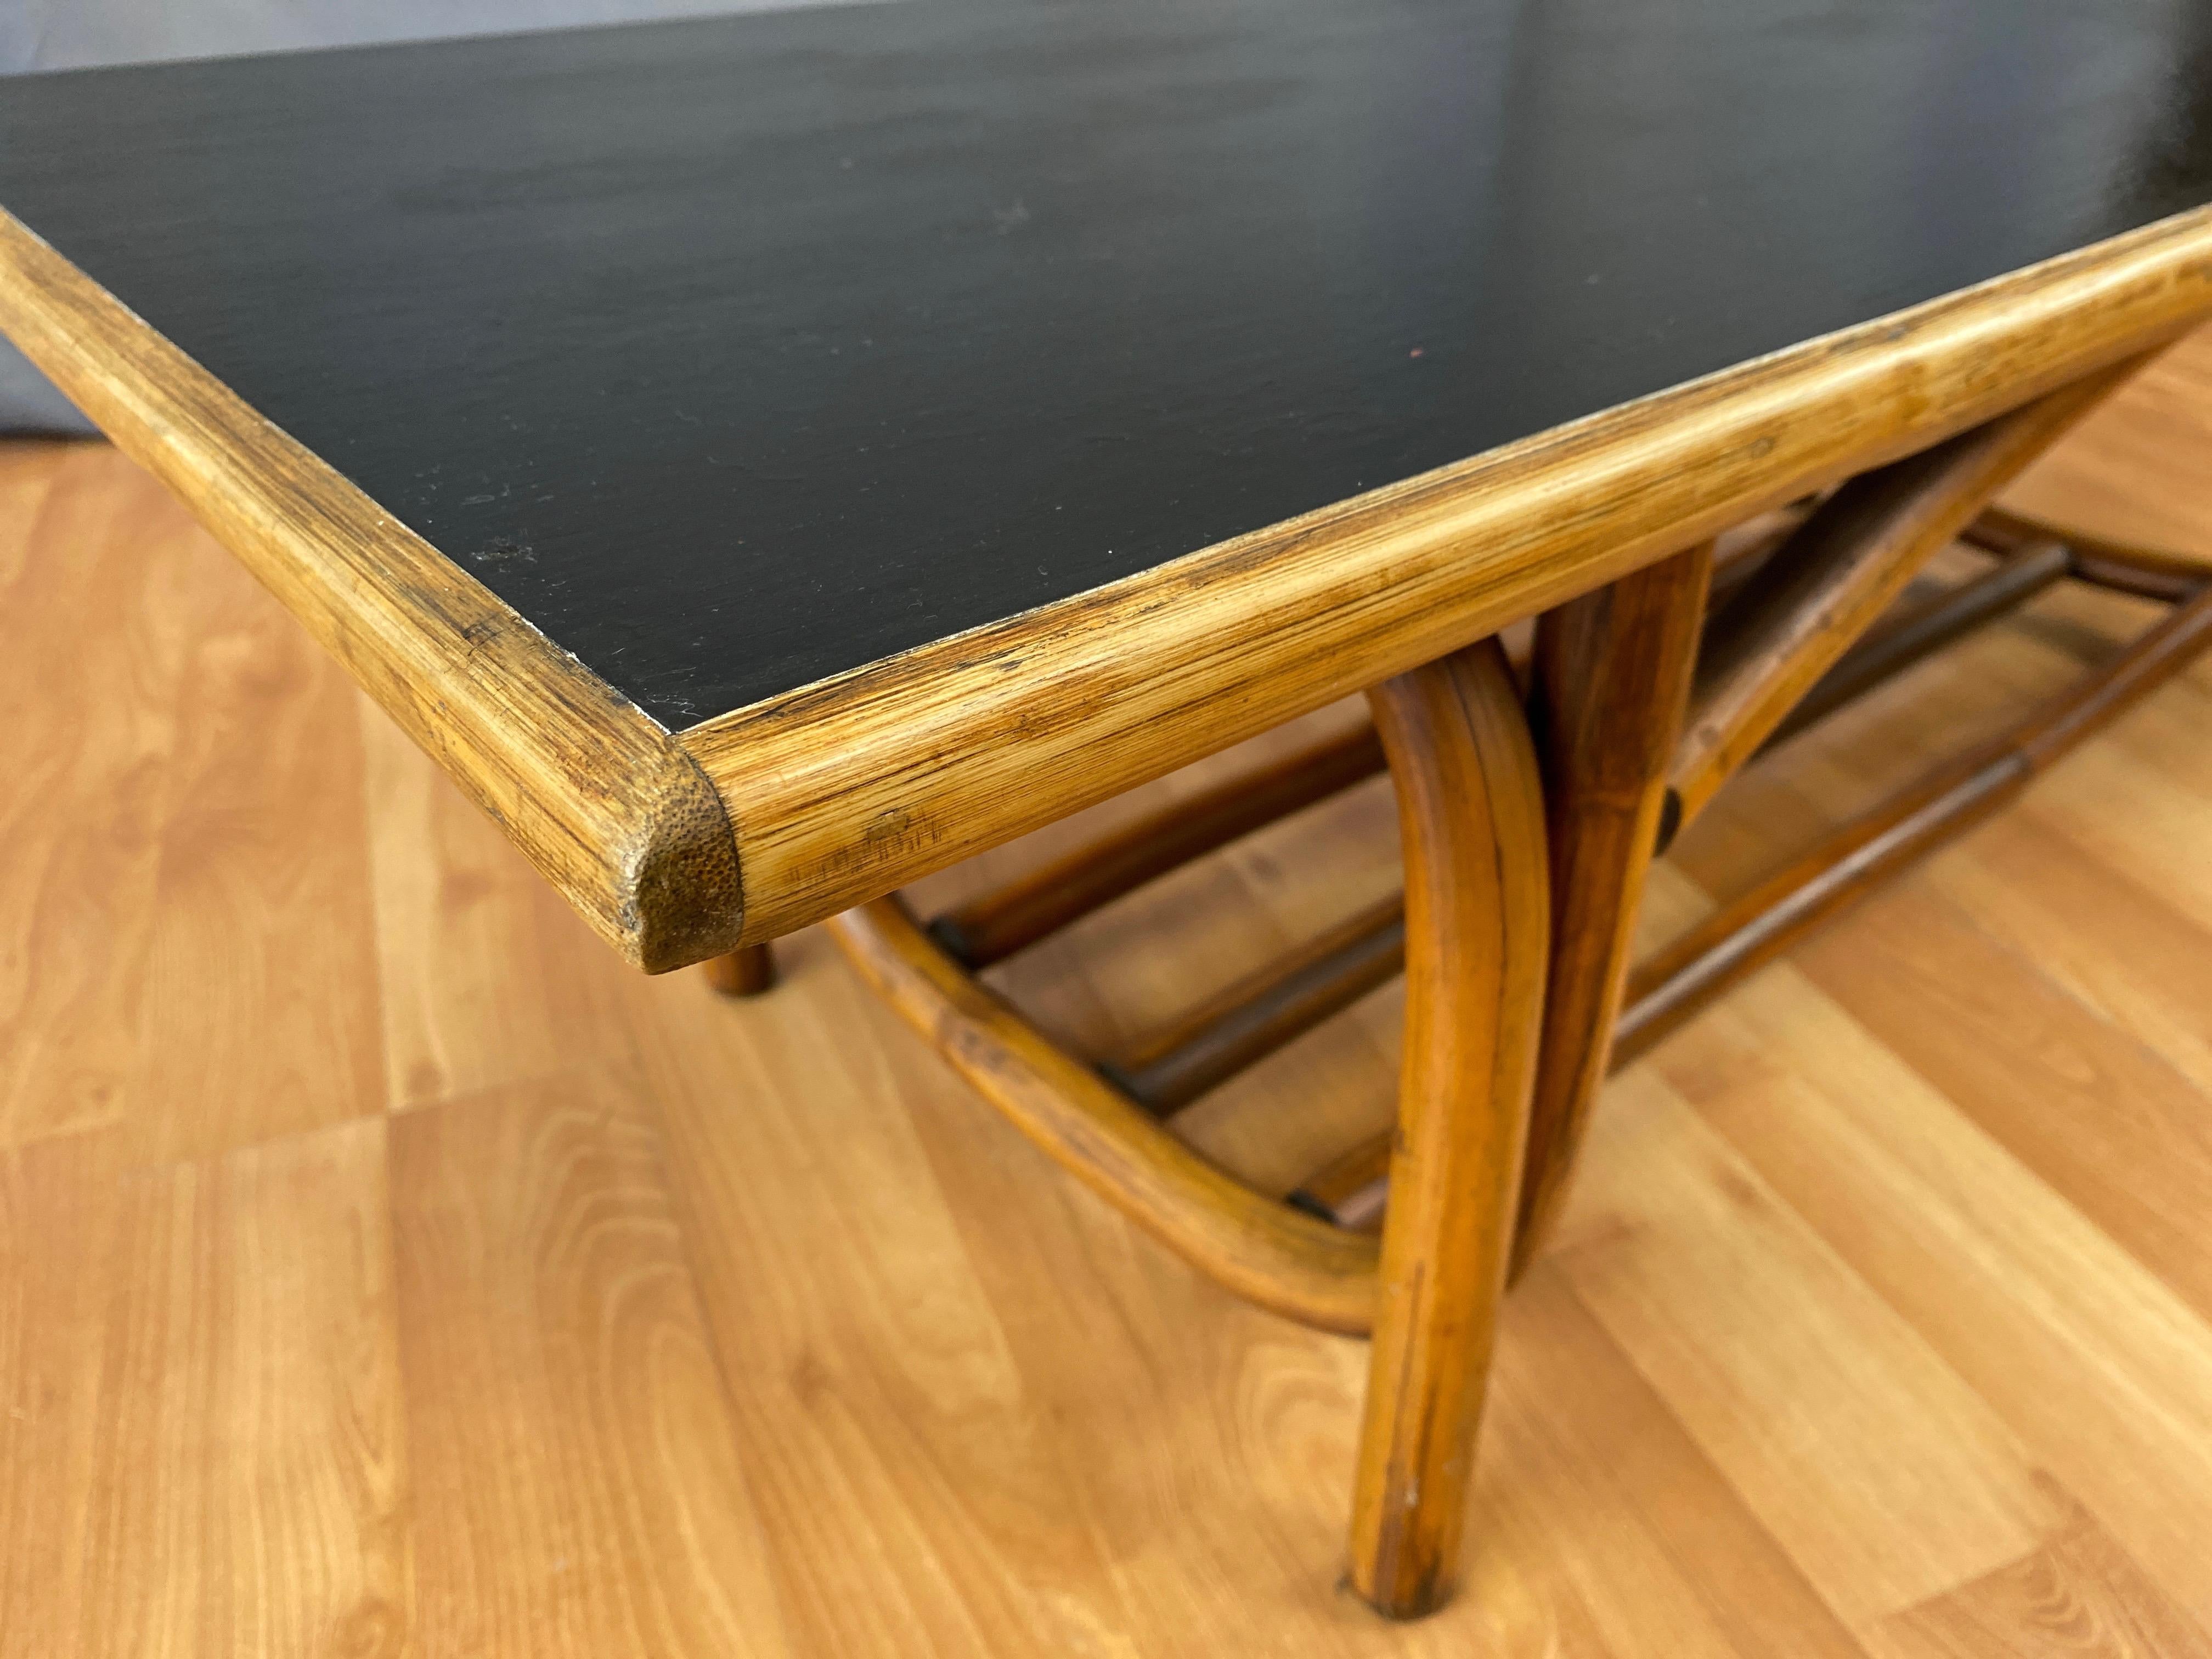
{"x": 735, "y": 353}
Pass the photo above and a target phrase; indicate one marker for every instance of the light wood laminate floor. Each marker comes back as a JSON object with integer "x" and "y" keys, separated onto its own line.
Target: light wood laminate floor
{"x": 385, "y": 1269}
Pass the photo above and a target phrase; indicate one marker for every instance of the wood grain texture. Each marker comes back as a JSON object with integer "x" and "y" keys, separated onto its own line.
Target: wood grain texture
{"x": 1669, "y": 1210}
{"x": 27, "y": 469}
{"x": 202, "y": 1450}
{"x": 2140, "y": 967}
{"x": 595, "y": 794}
{"x": 988, "y": 929}
{"x": 2087, "y": 1359}
{"x": 83, "y": 810}
{"x": 264, "y": 842}
{"x": 2077, "y": 1597}
{"x": 1292, "y": 1263}
{"x": 2100, "y": 1103}
{"x": 956, "y": 1522}
{"x": 477, "y": 962}
{"x": 857, "y": 785}
{"x": 1627, "y": 1499}
{"x": 977, "y": 1412}
{"x": 1248, "y": 1020}
{"x": 546, "y": 1290}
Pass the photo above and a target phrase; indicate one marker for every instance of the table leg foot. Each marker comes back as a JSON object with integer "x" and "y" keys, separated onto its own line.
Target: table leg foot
{"x": 748, "y": 972}
{"x": 1477, "y": 921}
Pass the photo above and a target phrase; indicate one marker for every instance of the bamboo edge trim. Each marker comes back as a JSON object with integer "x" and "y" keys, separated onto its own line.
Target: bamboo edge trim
{"x": 837, "y": 795}
{"x": 1256, "y": 1247}
{"x": 602, "y": 801}
{"x": 848, "y": 788}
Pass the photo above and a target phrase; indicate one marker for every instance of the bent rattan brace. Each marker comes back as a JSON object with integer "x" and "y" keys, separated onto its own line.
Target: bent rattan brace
{"x": 1525, "y": 857}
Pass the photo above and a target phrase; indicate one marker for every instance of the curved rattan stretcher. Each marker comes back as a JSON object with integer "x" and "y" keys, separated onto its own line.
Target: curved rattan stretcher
{"x": 1532, "y": 797}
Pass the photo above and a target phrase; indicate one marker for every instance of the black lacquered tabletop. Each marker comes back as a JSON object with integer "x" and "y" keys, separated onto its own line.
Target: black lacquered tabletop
{"x": 735, "y": 353}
